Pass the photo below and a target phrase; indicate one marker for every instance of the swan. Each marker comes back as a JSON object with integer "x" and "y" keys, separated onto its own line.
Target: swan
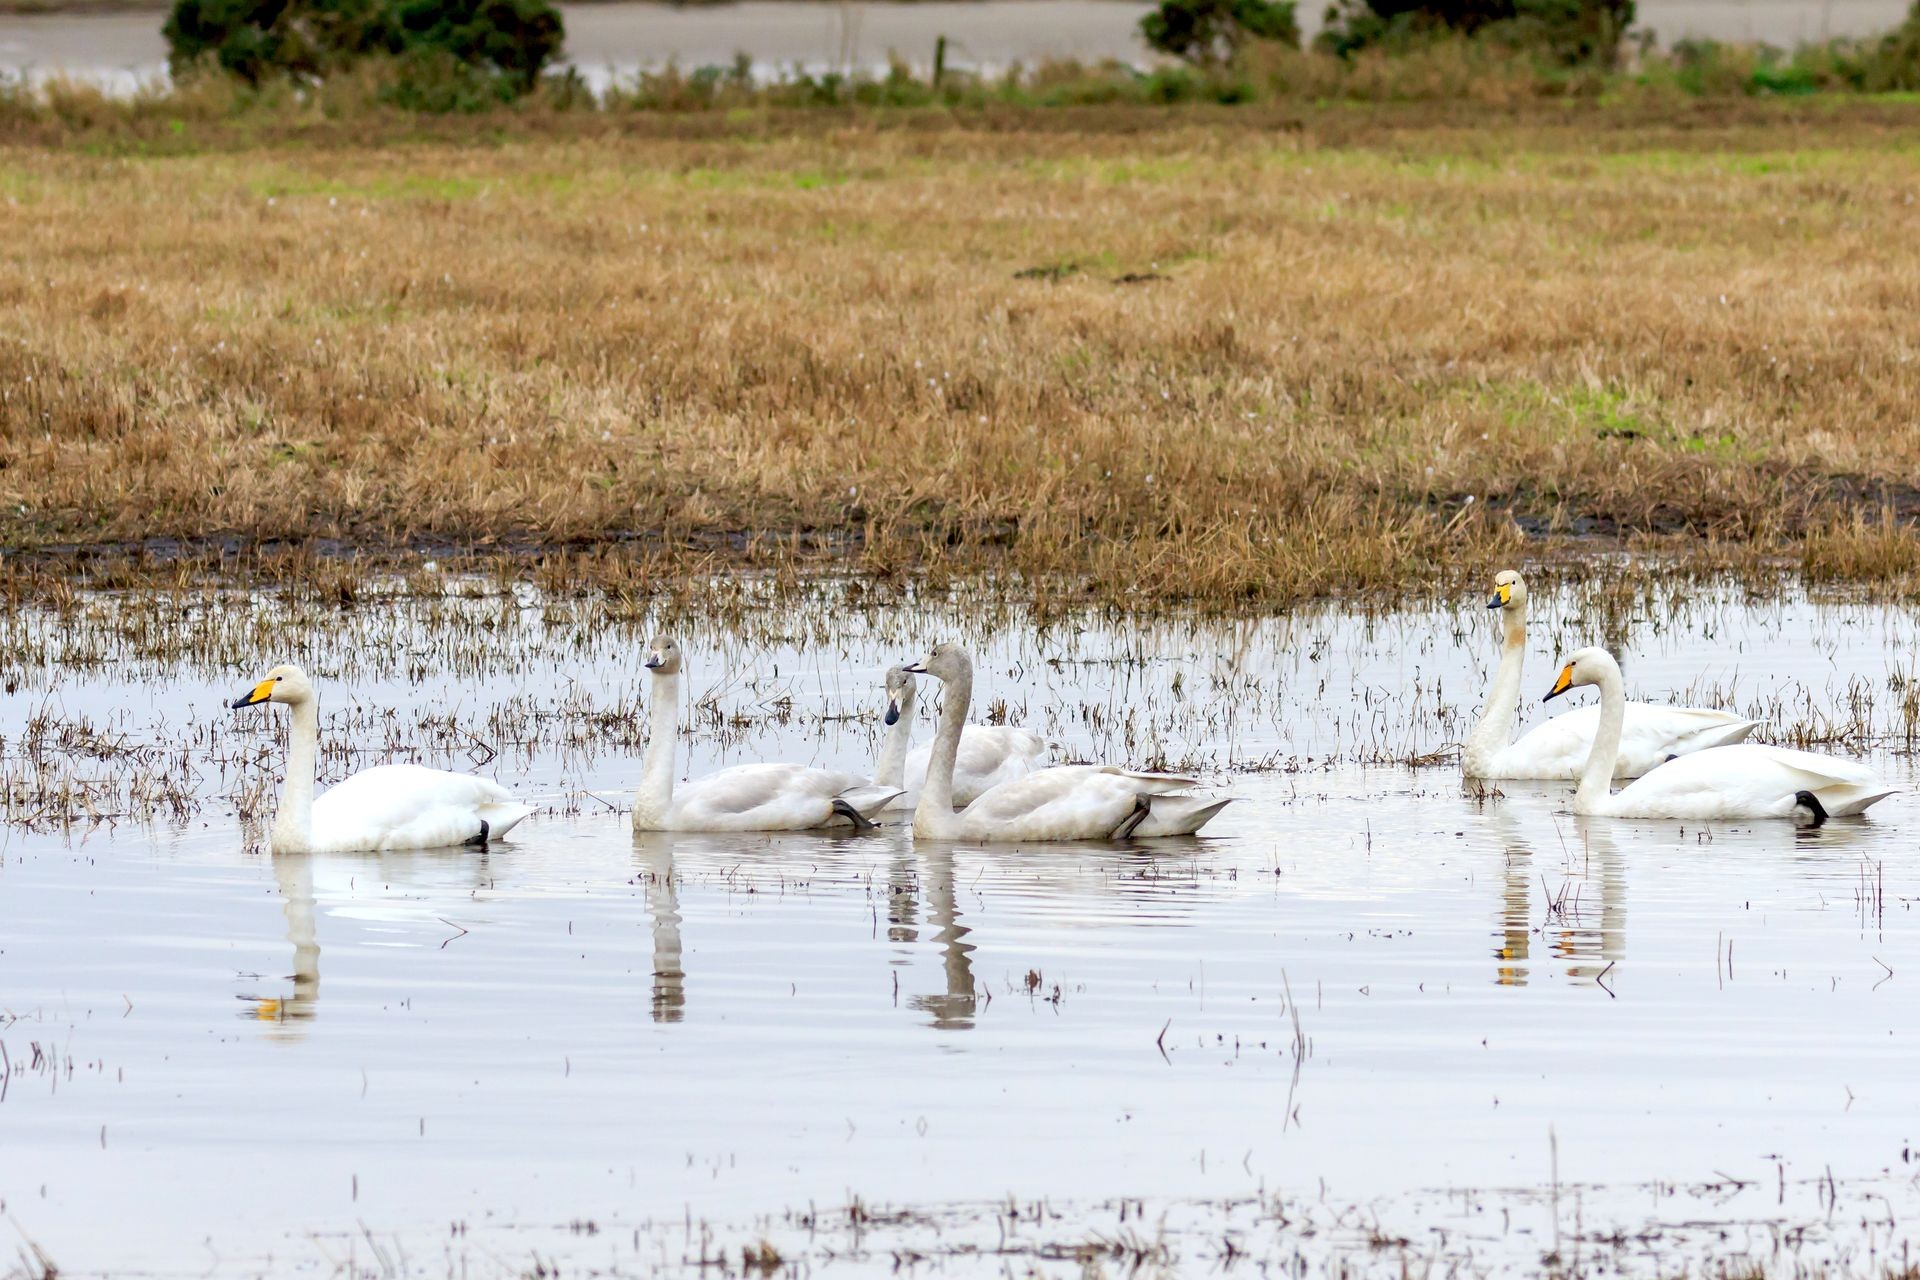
{"x": 1746, "y": 780}
{"x": 390, "y": 806}
{"x": 1558, "y": 748}
{"x": 1066, "y": 802}
{"x": 989, "y": 754}
{"x": 746, "y": 797}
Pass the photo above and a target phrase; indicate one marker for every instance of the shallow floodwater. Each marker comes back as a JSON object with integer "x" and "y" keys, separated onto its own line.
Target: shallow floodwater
{"x": 1368, "y": 1016}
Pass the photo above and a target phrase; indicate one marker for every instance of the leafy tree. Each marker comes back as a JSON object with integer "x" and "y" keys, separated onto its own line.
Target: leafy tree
{"x": 1571, "y": 32}
{"x": 1210, "y": 32}
{"x": 511, "y": 40}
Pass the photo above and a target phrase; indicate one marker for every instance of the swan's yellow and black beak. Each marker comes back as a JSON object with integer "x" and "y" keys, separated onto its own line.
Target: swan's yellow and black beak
{"x": 915, "y": 668}
{"x": 259, "y": 694}
{"x": 893, "y": 711}
{"x": 1562, "y": 684}
{"x": 1502, "y": 594}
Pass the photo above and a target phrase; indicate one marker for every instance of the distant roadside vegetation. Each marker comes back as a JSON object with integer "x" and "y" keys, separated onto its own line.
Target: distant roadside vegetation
{"x": 338, "y": 56}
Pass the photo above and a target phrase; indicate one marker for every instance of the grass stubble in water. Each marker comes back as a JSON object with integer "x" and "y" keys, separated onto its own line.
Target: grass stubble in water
{"x": 1107, "y": 1021}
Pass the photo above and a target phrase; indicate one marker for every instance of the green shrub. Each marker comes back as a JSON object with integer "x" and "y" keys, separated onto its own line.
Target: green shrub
{"x": 1894, "y": 65}
{"x": 255, "y": 39}
{"x": 510, "y": 41}
{"x": 1570, "y": 33}
{"x": 517, "y": 38}
{"x": 1212, "y": 32}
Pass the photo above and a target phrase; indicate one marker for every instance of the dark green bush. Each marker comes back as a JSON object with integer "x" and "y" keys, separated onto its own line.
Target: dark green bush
{"x": 515, "y": 37}
{"x": 1894, "y": 65}
{"x": 1211, "y": 32}
{"x": 510, "y": 41}
{"x": 1568, "y": 32}
{"x": 255, "y": 39}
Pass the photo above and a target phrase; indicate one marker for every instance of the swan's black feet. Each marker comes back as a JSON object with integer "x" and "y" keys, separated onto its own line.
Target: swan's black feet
{"x": 846, "y": 810}
{"x": 480, "y": 841}
{"x": 1142, "y": 806}
{"x": 1816, "y": 812}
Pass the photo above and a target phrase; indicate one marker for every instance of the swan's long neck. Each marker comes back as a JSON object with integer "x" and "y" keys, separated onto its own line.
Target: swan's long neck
{"x": 890, "y": 769}
{"x": 655, "y": 795}
{"x": 1596, "y": 780}
{"x": 293, "y": 820}
{"x": 933, "y": 816}
{"x": 1503, "y": 698}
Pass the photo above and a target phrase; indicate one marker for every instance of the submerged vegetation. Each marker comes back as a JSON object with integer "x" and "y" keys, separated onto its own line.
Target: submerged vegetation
{"x": 1177, "y": 356}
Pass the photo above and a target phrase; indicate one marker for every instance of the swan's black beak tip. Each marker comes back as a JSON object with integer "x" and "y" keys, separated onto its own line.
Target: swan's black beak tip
{"x": 653, "y": 664}
{"x": 893, "y": 712}
{"x": 1496, "y": 603}
{"x": 915, "y": 668}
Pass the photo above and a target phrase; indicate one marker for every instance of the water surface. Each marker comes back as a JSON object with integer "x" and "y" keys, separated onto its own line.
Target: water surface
{"x": 1369, "y": 1016}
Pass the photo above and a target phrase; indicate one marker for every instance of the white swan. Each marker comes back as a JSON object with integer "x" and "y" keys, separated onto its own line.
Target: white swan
{"x": 1559, "y": 748}
{"x": 989, "y": 754}
{"x": 390, "y": 806}
{"x": 1066, "y": 802}
{"x": 1742, "y": 781}
{"x": 746, "y": 797}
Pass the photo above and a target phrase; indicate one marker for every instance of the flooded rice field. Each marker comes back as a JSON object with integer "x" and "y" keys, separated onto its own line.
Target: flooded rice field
{"x": 1371, "y": 1019}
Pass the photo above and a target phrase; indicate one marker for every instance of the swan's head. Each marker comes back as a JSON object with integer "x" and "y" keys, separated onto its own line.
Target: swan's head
{"x": 285, "y": 683}
{"x": 943, "y": 662}
{"x": 1509, "y": 591}
{"x": 899, "y": 693}
{"x": 1583, "y": 666}
{"x": 663, "y": 656}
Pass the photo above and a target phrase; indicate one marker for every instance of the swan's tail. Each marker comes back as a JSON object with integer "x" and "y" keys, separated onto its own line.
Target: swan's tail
{"x": 1844, "y": 802}
{"x": 502, "y": 818}
{"x": 869, "y": 800}
{"x": 1718, "y": 735}
{"x": 1179, "y": 815}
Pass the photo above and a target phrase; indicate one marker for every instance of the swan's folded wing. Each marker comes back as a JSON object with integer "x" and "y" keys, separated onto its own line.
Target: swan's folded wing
{"x": 1814, "y": 770}
{"x": 1077, "y": 795}
{"x": 1649, "y": 736}
{"x": 1153, "y": 783}
{"x": 409, "y": 806}
{"x": 1658, "y": 732}
{"x": 1749, "y": 779}
{"x": 759, "y": 797}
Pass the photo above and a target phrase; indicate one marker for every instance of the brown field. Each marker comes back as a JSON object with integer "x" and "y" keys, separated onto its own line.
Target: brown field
{"x": 1214, "y": 355}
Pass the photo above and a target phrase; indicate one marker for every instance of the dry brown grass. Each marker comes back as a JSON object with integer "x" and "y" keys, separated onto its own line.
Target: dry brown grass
{"x": 1175, "y": 356}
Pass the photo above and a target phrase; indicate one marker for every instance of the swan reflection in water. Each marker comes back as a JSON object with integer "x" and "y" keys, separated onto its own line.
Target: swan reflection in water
{"x": 293, "y": 877}
{"x": 384, "y": 889}
{"x": 1585, "y": 925}
{"x": 953, "y": 1008}
{"x": 653, "y": 859}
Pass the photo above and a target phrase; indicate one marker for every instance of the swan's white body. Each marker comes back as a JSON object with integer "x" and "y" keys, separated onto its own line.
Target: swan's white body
{"x": 391, "y": 806}
{"x": 1066, "y": 802}
{"x": 989, "y": 754}
{"x": 1558, "y": 749}
{"x": 1745, "y": 780}
{"x": 747, "y": 797}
